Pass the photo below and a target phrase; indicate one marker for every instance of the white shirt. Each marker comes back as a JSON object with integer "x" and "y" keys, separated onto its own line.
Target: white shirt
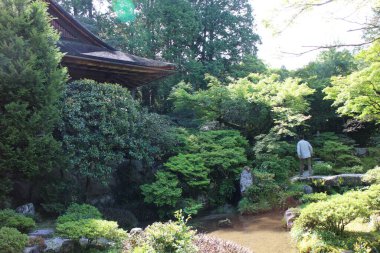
{"x": 245, "y": 180}
{"x": 304, "y": 149}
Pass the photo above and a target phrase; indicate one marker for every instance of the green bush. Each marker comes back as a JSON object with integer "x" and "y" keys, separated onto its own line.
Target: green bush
{"x": 262, "y": 195}
{"x": 372, "y": 176}
{"x": 338, "y": 153}
{"x": 169, "y": 237}
{"x": 337, "y": 211}
{"x": 314, "y": 197}
{"x": 191, "y": 169}
{"x": 327, "y": 242}
{"x": 165, "y": 191}
{"x": 263, "y": 187}
{"x": 358, "y": 169}
{"x": 12, "y": 241}
{"x": 192, "y": 206}
{"x": 323, "y": 169}
{"x": 9, "y": 218}
{"x": 294, "y": 191}
{"x": 91, "y": 229}
{"x": 77, "y": 212}
{"x": 373, "y": 159}
{"x": 245, "y": 206}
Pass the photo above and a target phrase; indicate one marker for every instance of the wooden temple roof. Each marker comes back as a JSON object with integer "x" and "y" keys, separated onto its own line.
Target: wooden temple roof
{"x": 87, "y": 56}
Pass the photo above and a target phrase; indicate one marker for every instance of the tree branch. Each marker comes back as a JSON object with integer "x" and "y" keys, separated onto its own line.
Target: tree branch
{"x": 316, "y": 48}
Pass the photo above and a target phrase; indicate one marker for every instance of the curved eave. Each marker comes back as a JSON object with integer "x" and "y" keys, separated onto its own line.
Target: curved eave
{"x": 128, "y": 75}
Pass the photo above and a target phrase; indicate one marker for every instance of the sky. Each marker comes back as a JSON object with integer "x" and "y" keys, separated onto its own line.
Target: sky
{"x": 329, "y": 24}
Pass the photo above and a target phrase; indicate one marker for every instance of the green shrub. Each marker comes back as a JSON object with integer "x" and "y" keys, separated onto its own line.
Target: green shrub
{"x": 372, "y": 176}
{"x": 9, "y": 218}
{"x": 334, "y": 213}
{"x": 91, "y": 229}
{"x": 313, "y": 243}
{"x": 191, "y": 206}
{"x": 191, "y": 169}
{"x": 245, "y": 206}
{"x": 169, "y": 237}
{"x": 263, "y": 187}
{"x": 358, "y": 169}
{"x": 294, "y": 191}
{"x": 262, "y": 195}
{"x": 280, "y": 167}
{"x": 165, "y": 191}
{"x": 373, "y": 158}
{"x": 77, "y": 212}
{"x": 323, "y": 169}
{"x": 338, "y": 153}
{"x": 12, "y": 241}
{"x": 314, "y": 197}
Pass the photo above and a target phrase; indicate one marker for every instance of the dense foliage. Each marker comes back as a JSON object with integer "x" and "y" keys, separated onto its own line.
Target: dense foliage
{"x": 322, "y": 225}
{"x": 357, "y": 94}
{"x": 11, "y": 240}
{"x": 170, "y": 237}
{"x": 31, "y": 81}
{"x": 263, "y": 195}
{"x": 77, "y": 212}
{"x": 101, "y": 128}
{"x": 11, "y": 219}
{"x": 209, "y": 163}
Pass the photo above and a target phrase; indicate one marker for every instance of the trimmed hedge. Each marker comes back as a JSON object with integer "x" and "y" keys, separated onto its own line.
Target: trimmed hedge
{"x": 11, "y": 219}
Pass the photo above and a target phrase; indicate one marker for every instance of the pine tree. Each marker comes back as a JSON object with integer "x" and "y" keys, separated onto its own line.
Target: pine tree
{"x": 31, "y": 83}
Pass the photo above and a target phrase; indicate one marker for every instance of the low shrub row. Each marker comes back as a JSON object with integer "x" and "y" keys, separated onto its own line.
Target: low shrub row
{"x": 322, "y": 224}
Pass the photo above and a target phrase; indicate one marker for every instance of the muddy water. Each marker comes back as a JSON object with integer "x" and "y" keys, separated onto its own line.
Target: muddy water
{"x": 261, "y": 233}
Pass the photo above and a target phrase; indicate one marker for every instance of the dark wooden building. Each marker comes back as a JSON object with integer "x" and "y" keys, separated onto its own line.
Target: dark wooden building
{"x": 86, "y": 56}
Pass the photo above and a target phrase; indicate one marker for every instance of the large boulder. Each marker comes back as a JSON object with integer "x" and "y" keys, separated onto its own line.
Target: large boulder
{"x": 27, "y": 209}
{"x": 226, "y": 223}
{"x": 44, "y": 233}
{"x": 361, "y": 151}
{"x": 290, "y": 216}
{"x": 307, "y": 189}
{"x": 135, "y": 231}
{"x": 59, "y": 245}
{"x": 32, "y": 249}
{"x": 336, "y": 180}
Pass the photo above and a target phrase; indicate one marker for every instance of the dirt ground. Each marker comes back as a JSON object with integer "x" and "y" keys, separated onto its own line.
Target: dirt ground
{"x": 261, "y": 233}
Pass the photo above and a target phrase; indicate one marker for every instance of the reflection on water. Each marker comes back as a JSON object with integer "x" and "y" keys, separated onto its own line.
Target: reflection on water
{"x": 261, "y": 233}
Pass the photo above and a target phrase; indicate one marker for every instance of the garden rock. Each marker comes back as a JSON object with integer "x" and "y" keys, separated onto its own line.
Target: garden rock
{"x": 102, "y": 243}
{"x": 59, "y": 245}
{"x": 27, "y": 209}
{"x": 33, "y": 249}
{"x": 44, "y": 233}
{"x": 336, "y": 180}
{"x": 135, "y": 231}
{"x": 83, "y": 242}
{"x": 225, "y": 223}
{"x": 290, "y": 216}
{"x": 307, "y": 189}
{"x": 361, "y": 151}
{"x": 374, "y": 222}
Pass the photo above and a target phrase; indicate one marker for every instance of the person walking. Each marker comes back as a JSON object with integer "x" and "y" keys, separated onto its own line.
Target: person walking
{"x": 305, "y": 152}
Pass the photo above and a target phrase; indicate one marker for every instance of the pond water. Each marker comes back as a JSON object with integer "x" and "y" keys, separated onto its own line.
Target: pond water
{"x": 261, "y": 233}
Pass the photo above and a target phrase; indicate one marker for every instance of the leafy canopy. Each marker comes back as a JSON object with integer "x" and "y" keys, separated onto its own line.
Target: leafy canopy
{"x": 358, "y": 94}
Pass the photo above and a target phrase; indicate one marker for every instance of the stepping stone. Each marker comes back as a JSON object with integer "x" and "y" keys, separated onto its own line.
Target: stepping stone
{"x": 33, "y": 249}
{"x": 335, "y": 180}
{"x": 45, "y": 233}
